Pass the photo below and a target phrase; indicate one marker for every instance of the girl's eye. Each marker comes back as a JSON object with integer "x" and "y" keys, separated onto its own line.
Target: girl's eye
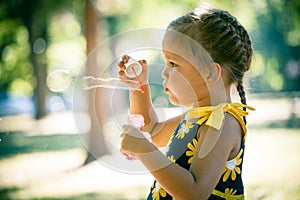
{"x": 172, "y": 64}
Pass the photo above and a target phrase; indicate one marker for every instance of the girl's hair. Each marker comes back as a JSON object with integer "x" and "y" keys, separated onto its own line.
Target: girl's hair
{"x": 223, "y": 37}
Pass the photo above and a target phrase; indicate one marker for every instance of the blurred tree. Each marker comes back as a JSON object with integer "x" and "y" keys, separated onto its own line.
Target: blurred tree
{"x": 23, "y": 45}
{"x": 274, "y": 26}
{"x": 35, "y": 19}
{"x": 36, "y": 16}
{"x": 97, "y": 111}
{"x": 15, "y": 67}
{"x": 277, "y": 43}
{"x": 24, "y": 39}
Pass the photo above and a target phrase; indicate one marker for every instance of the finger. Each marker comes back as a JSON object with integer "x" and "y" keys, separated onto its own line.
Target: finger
{"x": 121, "y": 73}
{"x": 128, "y": 129}
{"x": 125, "y": 58}
{"x": 143, "y": 63}
{"x": 130, "y": 82}
{"x": 127, "y": 155}
{"x": 124, "y": 127}
{"x": 121, "y": 65}
{"x": 133, "y": 132}
{"x": 124, "y": 147}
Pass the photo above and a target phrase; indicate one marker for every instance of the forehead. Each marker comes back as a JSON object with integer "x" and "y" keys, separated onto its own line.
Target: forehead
{"x": 181, "y": 45}
{"x": 173, "y": 48}
{"x": 171, "y": 55}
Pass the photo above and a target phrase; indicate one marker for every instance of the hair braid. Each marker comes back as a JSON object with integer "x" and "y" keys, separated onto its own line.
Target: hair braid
{"x": 245, "y": 55}
{"x": 240, "y": 89}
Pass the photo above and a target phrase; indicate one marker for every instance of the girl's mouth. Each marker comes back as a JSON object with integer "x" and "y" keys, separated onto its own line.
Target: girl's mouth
{"x": 165, "y": 87}
{"x": 167, "y": 90}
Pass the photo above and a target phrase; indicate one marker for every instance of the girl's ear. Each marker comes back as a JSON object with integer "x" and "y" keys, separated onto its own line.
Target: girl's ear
{"x": 215, "y": 72}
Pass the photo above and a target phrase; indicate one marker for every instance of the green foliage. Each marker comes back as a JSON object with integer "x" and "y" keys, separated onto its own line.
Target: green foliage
{"x": 273, "y": 24}
{"x": 15, "y": 67}
{"x": 277, "y": 46}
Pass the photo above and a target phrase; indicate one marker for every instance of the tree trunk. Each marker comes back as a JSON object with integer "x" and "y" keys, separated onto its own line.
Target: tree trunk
{"x": 97, "y": 146}
{"x": 37, "y": 28}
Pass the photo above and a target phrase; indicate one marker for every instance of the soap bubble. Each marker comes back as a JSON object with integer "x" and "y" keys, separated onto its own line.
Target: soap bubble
{"x": 59, "y": 80}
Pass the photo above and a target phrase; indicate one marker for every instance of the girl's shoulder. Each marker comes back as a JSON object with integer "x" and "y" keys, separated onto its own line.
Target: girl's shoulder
{"x": 221, "y": 125}
{"x": 214, "y": 116}
{"x": 229, "y": 137}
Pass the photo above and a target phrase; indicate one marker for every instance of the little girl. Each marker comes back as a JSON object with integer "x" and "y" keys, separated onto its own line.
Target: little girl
{"x": 206, "y": 54}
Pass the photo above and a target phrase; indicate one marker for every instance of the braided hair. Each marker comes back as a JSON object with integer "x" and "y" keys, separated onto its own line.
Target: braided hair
{"x": 224, "y": 38}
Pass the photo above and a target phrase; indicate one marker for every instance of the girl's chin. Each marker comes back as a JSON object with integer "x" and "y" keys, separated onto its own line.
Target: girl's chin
{"x": 174, "y": 100}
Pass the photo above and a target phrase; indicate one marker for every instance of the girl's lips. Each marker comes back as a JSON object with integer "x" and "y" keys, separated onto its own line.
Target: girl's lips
{"x": 166, "y": 89}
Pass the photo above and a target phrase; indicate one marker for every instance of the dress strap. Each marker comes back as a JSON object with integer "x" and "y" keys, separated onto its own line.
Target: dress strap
{"x": 213, "y": 116}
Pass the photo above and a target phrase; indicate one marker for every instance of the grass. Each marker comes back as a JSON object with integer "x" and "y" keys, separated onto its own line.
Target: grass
{"x": 14, "y": 143}
{"x": 270, "y": 171}
{"x": 6, "y": 194}
{"x": 273, "y": 193}
{"x": 30, "y": 162}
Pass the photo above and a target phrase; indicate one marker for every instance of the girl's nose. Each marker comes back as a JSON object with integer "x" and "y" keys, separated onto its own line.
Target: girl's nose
{"x": 165, "y": 73}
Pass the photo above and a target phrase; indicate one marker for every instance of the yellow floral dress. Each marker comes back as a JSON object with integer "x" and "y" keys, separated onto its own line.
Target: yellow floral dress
{"x": 182, "y": 146}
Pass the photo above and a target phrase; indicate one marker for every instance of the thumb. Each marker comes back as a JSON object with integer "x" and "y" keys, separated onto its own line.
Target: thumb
{"x": 144, "y": 64}
{"x": 132, "y": 131}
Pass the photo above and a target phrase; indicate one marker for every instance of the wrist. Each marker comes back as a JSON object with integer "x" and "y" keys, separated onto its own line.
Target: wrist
{"x": 146, "y": 88}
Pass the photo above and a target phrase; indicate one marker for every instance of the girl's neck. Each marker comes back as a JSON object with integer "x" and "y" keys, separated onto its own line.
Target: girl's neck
{"x": 214, "y": 101}
{"x": 202, "y": 104}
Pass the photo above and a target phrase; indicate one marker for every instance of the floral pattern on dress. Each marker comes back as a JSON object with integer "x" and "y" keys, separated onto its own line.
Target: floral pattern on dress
{"x": 232, "y": 167}
{"x": 158, "y": 192}
{"x": 181, "y": 150}
{"x": 184, "y": 129}
{"x": 228, "y": 194}
{"x": 171, "y": 158}
{"x": 191, "y": 152}
{"x": 168, "y": 144}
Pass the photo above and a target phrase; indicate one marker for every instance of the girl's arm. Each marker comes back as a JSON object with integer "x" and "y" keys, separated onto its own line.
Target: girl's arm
{"x": 140, "y": 103}
{"x": 198, "y": 182}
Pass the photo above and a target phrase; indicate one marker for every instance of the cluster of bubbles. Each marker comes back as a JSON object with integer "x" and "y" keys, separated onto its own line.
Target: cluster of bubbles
{"x": 59, "y": 80}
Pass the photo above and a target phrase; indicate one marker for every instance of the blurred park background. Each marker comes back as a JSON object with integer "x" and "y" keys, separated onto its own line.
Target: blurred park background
{"x": 44, "y": 155}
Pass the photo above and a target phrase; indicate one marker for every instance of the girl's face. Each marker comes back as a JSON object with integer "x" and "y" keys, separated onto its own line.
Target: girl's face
{"x": 182, "y": 81}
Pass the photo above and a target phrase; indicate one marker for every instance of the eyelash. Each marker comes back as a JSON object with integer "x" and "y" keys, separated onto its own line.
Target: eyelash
{"x": 172, "y": 64}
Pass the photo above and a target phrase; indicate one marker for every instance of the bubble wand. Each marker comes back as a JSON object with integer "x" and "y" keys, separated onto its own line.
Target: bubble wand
{"x": 137, "y": 121}
{"x": 133, "y": 70}
{"x": 139, "y": 80}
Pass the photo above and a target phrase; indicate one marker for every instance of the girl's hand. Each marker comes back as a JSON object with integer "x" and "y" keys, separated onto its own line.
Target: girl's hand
{"x": 134, "y": 142}
{"x": 124, "y": 79}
